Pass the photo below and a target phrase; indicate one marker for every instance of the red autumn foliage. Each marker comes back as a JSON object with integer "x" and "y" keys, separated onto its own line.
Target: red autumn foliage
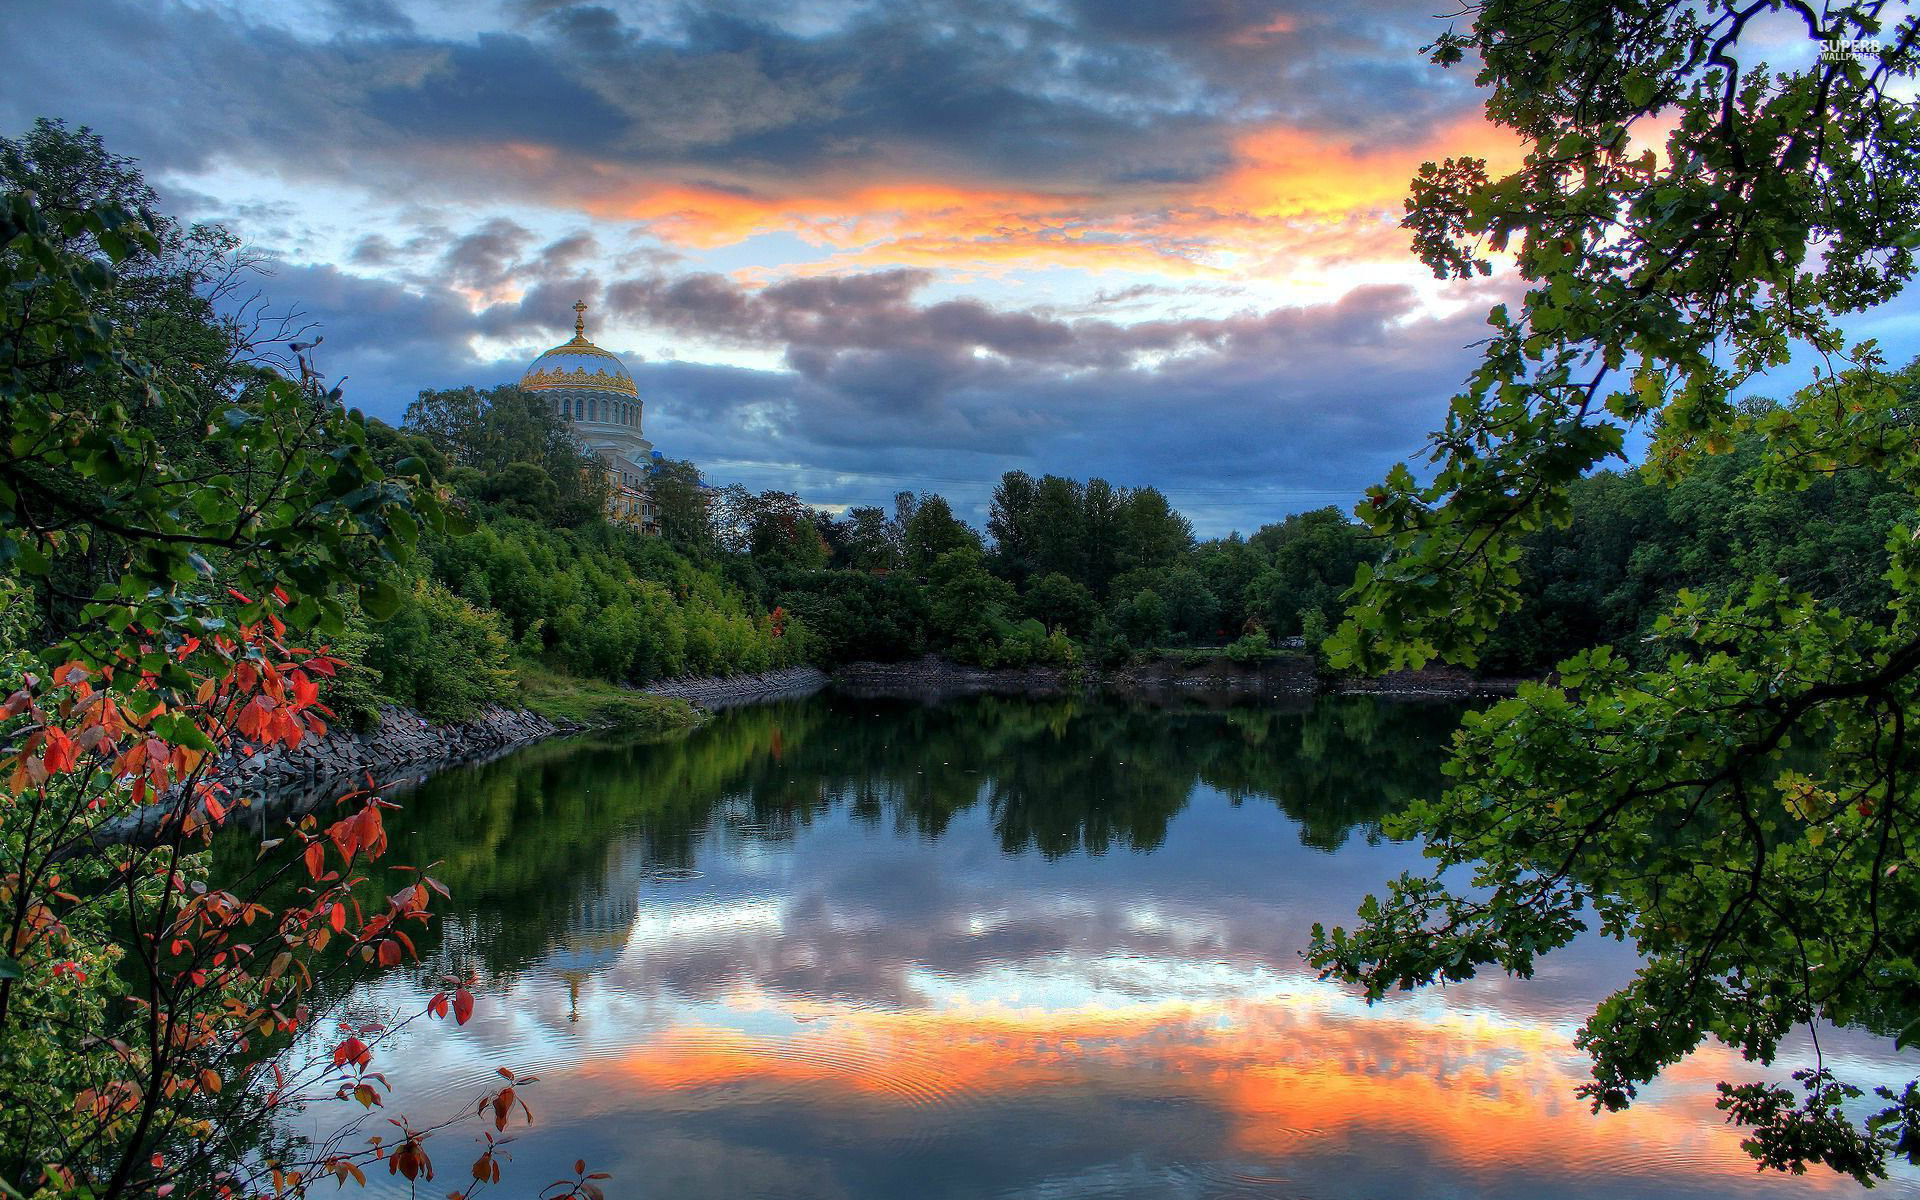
{"x": 225, "y": 971}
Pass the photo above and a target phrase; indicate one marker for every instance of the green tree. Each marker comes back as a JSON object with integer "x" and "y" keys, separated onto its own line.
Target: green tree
{"x": 1061, "y": 603}
{"x": 1228, "y": 566}
{"x": 869, "y": 542}
{"x": 443, "y": 655}
{"x": 1742, "y": 809}
{"x": 1154, "y": 534}
{"x": 1143, "y": 618}
{"x": 782, "y": 535}
{"x": 969, "y": 609}
{"x": 1013, "y": 525}
{"x": 1311, "y": 560}
{"x": 932, "y": 531}
{"x": 852, "y": 615}
{"x": 682, "y": 500}
{"x": 143, "y": 1010}
{"x": 491, "y": 431}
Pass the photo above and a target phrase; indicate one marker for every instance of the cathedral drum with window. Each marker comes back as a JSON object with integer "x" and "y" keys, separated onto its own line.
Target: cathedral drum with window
{"x": 593, "y": 391}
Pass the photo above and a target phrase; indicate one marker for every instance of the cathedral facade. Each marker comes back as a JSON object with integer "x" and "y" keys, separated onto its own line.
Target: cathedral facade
{"x": 592, "y": 389}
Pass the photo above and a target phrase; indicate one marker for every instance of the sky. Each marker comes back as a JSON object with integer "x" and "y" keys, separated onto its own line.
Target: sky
{"x": 846, "y": 248}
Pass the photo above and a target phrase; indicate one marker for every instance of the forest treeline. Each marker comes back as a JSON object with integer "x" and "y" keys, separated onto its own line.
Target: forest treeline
{"x": 1065, "y": 570}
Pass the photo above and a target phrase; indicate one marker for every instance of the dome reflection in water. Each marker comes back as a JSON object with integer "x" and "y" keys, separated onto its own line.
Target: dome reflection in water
{"x": 839, "y": 948}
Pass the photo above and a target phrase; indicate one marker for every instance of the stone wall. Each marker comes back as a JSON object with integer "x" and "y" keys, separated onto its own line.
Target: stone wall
{"x": 403, "y": 748}
{"x": 936, "y": 679}
{"x": 1284, "y": 680}
{"x": 1428, "y": 683}
{"x": 742, "y": 689}
{"x": 1279, "y": 681}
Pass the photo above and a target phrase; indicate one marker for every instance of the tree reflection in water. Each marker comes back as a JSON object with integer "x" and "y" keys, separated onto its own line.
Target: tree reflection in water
{"x": 841, "y": 948}
{"x": 528, "y": 842}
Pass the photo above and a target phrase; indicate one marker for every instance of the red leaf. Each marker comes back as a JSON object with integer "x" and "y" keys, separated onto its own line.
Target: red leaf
{"x": 305, "y": 691}
{"x": 60, "y": 753}
{"x": 338, "y": 918}
{"x": 316, "y": 856}
{"x": 353, "y": 1050}
{"x": 462, "y": 1006}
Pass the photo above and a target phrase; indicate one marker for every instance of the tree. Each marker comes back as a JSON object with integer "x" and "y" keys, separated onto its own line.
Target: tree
{"x": 1743, "y": 809}
{"x": 1013, "y": 526}
{"x": 932, "y": 530}
{"x": 681, "y": 500}
{"x": 1143, "y": 618}
{"x": 967, "y": 607}
{"x": 1311, "y": 559}
{"x": 780, "y": 532}
{"x": 1103, "y": 538}
{"x": 1228, "y": 566}
{"x": 1060, "y": 603}
{"x": 869, "y": 541}
{"x": 1155, "y": 535}
{"x": 500, "y": 430}
{"x": 141, "y": 1004}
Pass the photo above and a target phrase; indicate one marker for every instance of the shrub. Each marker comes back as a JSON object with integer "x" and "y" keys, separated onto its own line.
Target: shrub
{"x": 1253, "y": 647}
{"x": 1313, "y": 628}
{"x": 442, "y": 655}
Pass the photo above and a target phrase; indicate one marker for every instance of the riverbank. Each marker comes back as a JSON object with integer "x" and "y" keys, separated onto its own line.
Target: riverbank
{"x": 404, "y": 748}
{"x": 573, "y": 703}
{"x": 402, "y": 744}
{"x": 1282, "y": 679}
{"x": 735, "y": 690}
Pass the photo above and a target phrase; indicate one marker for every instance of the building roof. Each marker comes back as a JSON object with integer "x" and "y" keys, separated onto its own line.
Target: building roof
{"x": 579, "y": 364}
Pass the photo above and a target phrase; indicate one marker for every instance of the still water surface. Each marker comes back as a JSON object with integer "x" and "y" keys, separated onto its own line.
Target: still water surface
{"x": 855, "y": 949}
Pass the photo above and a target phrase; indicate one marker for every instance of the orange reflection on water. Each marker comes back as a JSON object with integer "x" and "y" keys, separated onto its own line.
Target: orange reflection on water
{"x": 1469, "y": 1094}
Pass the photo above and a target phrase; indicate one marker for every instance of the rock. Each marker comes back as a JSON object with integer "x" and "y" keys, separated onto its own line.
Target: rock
{"x": 281, "y": 782}
{"x": 736, "y": 690}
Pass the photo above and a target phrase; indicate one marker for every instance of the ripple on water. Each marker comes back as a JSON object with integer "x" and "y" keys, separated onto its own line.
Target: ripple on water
{"x": 665, "y": 874}
{"x": 1228, "y": 1180}
{"x": 914, "y": 1099}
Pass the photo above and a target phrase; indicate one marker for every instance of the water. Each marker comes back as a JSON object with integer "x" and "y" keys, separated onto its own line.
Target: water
{"x": 851, "y": 949}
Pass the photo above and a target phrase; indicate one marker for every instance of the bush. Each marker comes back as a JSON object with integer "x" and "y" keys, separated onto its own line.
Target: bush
{"x": 851, "y": 615}
{"x": 442, "y": 655}
{"x": 1107, "y": 645}
{"x": 1313, "y": 629}
{"x": 1254, "y": 647}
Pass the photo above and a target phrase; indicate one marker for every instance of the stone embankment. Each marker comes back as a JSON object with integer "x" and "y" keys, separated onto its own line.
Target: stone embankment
{"x": 402, "y": 749}
{"x": 1283, "y": 680}
{"x": 1427, "y": 683}
{"x": 742, "y": 689}
{"x": 935, "y": 678}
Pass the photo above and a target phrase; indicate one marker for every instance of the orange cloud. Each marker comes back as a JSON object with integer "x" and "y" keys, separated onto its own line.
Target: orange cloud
{"x": 1290, "y": 196}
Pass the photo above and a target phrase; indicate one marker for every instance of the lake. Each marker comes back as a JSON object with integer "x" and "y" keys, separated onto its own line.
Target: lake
{"x": 856, "y": 949}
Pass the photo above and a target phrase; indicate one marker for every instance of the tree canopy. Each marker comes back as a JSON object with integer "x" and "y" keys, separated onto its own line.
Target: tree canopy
{"x": 1737, "y": 798}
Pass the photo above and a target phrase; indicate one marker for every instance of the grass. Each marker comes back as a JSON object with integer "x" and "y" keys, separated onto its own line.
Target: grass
{"x": 567, "y": 699}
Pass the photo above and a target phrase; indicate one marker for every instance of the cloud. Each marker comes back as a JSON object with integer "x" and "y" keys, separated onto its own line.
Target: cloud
{"x": 1239, "y": 419}
{"x": 482, "y": 170}
{"x": 910, "y": 133}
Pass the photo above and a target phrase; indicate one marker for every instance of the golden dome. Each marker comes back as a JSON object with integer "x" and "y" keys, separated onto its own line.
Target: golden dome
{"x": 579, "y": 365}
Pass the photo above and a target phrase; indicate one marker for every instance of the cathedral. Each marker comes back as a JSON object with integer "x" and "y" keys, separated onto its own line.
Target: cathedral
{"x": 591, "y": 388}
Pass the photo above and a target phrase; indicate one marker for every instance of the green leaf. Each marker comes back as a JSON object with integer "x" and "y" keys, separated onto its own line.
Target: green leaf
{"x": 381, "y": 599}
